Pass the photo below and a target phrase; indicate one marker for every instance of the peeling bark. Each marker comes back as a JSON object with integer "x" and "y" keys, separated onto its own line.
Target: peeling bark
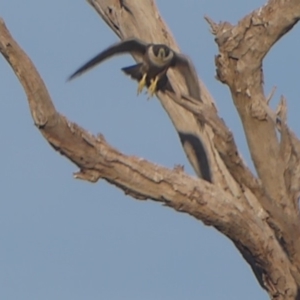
{"x": 260, "y": 215}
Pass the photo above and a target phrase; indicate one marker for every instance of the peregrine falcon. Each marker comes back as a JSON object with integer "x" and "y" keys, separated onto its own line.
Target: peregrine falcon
{"x": 151, "y": 72}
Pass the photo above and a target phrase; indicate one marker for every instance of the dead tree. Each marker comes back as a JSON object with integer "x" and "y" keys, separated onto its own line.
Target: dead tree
{"x": 259, "y": 214}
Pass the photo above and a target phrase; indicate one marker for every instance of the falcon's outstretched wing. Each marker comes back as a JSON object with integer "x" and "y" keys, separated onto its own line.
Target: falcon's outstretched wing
{"x": 134, "y": 46}
{"x": 187, "y": 69}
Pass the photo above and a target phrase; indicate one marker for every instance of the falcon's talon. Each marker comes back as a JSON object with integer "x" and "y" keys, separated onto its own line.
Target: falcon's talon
{"x": 153, "y": 86}
{"x": 142, "y": 84}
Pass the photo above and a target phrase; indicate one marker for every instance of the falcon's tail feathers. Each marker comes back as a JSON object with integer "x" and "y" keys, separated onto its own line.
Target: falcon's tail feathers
{"x": 134, "y": 71}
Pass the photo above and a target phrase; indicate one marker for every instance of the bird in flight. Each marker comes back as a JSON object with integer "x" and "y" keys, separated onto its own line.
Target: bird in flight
{"x": 152, "y": 71}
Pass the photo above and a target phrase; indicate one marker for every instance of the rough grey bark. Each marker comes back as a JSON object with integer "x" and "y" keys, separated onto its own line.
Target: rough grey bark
{"x": 260, "y": 215}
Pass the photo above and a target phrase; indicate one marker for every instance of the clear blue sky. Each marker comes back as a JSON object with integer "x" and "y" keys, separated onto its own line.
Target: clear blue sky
{"x": 67, "y": 239}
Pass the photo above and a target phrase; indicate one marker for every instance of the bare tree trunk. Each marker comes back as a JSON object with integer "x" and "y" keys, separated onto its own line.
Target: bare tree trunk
{"x": 260, "y": 215}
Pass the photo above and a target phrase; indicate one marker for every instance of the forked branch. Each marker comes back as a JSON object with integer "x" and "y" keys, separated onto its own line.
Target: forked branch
{"x": 237, "y": 204}
{"x": 239, "y": 65}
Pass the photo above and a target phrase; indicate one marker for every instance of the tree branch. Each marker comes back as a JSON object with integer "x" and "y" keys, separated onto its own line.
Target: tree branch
{"x": 239, "y": 65}
{"x": 139, "y": 178}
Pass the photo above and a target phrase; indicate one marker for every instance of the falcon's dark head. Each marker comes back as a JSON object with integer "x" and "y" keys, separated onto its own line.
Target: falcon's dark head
{"x": 161, "y": 51}
{"x": 160, "y": 54}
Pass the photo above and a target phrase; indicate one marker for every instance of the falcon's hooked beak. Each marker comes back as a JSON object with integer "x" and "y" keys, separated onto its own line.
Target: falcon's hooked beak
{"x": 161, "y": 53}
